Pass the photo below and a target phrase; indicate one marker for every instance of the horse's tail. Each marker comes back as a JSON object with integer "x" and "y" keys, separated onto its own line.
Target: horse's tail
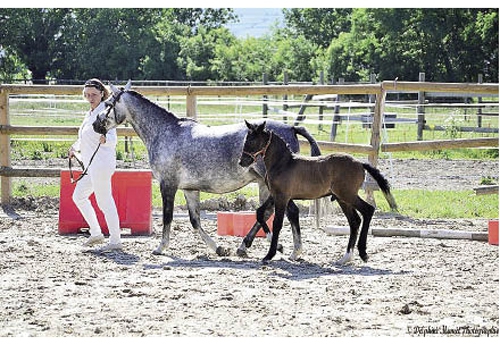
{"x": 315, "y": 151}
{"x": 383, "y": 184}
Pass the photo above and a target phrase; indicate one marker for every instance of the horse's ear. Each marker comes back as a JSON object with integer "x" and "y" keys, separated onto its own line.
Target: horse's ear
{"x": 129, "y": 84}
{"x": 113, "y": 88}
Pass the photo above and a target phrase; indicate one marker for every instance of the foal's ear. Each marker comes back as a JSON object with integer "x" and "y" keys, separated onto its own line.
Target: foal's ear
{"x": 261, "y": 127}
{"x": 249, "y": 125}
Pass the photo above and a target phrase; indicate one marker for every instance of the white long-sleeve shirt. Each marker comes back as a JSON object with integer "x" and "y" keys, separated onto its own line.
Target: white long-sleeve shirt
{"x": 88, "y": 140}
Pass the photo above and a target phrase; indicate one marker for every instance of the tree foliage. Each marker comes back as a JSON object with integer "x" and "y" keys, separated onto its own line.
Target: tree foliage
{"x": 447, "y": 44}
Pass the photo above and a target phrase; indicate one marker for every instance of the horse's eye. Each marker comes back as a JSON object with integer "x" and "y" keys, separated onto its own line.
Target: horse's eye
{"x": 108, "y": 104}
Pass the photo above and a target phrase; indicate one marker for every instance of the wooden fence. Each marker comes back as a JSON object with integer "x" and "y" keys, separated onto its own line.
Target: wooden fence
{"x": 379, "y": 90}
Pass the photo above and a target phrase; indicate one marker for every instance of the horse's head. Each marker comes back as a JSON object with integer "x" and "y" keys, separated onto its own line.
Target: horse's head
{"x": 113, "y": 114}
{"x": 256, "y": 143}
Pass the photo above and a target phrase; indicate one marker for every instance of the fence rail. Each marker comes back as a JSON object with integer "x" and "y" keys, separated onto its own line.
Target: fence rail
{"x": 191, "y": 93}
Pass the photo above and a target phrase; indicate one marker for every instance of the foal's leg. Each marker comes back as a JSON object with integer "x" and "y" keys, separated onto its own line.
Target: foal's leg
{"x": 193, "y": 204}
{"x": 354, "y": 222}
{"x": 168, "y": 196}
{"x": 292, "y": 213}
{"x": 279, "y": 214}
{"x": 262, "y": 214}
{"x": 367, "y": 212}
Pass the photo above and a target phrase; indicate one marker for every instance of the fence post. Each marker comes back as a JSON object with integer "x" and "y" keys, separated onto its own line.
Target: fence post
{"x": 421, "y": 110}
{"x": 191, "y": 106}
{"x": 264, "y": 97}
{"x": 285, "y": 97}
{"x": 336, "y": 115}
{"x": 320, "y": 108}
{"x": 479, "y": 101}
{"x": 5, "y": 146}
{"x": 375, "y": 139}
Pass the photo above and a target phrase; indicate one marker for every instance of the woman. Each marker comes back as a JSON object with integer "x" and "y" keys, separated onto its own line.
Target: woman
{"x": 100, "y": 170}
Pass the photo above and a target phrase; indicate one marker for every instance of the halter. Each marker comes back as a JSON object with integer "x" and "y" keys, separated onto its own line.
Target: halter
{"x": 261, "y": 151}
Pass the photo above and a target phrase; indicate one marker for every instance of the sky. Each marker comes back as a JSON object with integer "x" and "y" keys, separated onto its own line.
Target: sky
{"x": 255, "y": 22}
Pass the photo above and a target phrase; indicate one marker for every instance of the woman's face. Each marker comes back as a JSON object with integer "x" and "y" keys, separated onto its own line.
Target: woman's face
{"x": 93, "y": 96}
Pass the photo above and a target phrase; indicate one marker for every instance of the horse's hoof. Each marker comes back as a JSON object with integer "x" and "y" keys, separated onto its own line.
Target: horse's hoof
{"x": 280, "y": 248}
{"x": 156, "y": 252}
{"x": 347, "y": 258}
{"x": 364, "y": 257}
{"x": 295, "y": 255}
{"x": 241, "y": 253}
{"x": 221, "y": 251}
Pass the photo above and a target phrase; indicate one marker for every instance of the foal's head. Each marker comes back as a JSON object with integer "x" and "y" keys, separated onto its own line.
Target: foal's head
{"x": 256, "y": 143}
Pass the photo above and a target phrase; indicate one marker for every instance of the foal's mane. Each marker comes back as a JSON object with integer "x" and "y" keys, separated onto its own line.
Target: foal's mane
{"x": 280, "y": 140}
{"x": 158, "y": 107}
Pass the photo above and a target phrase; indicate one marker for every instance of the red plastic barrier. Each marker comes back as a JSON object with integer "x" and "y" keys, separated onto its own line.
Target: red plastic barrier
{"x": 239, "y": 223}
{"x": 133, "y": 197}
{"x": 493, "y": 232}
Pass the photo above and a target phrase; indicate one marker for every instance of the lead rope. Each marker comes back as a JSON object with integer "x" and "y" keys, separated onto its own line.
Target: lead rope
{"x": 85, "y": 170}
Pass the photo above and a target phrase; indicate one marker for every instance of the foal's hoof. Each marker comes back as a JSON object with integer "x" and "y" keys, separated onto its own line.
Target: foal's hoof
{"x": 241, "y": 253}
{"x": 280, "y": 248}
{"x": 221, "y": 251}
{"x": 364, "y": 257}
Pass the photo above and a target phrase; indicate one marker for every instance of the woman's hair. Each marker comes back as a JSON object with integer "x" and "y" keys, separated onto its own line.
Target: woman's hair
{"x": 94, "y": 82}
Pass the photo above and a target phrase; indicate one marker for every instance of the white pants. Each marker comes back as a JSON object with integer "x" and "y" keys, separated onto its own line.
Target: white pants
{"x": 98, "y": 181}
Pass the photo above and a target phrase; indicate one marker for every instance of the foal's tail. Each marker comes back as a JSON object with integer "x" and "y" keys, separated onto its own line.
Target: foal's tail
{"x": 383, "y": 184}
{"x": 315, "y": 151}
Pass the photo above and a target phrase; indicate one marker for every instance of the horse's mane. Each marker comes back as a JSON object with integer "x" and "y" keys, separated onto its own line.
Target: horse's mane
{"x": 158, "y": 107}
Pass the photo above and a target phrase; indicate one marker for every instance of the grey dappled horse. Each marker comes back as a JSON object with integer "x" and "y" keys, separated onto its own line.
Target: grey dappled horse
{"x": 187, "y": 155}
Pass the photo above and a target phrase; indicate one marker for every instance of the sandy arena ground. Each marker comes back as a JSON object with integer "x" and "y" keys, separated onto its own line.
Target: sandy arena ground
{"x": 51, "y": 286}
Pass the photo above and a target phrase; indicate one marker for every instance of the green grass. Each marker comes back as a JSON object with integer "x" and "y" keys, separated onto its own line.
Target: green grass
{"x": 441, "y": 204}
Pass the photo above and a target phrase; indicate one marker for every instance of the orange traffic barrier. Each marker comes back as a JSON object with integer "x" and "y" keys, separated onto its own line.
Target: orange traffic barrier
{"x": 132, "y": 192}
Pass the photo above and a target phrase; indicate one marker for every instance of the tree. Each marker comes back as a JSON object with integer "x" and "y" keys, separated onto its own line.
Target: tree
{"x": 109, "y": 43}
{"x": 197, "y": 55}
{"x": 449, "y": 45}
{"x": 33, "y": 35}
{"x": 319, "y": 25}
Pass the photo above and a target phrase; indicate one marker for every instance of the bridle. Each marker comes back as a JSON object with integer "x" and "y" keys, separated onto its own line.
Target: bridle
{"x": 110, "y": 105}
{"x": 261, "y": 151}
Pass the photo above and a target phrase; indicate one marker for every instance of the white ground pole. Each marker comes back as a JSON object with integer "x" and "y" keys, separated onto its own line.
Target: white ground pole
{"x": 422, "y": 233}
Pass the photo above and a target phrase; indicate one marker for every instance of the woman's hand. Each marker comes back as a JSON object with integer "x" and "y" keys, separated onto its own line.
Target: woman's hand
{"x": 71, "y": 152}
{"x": 102, "y": 139}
